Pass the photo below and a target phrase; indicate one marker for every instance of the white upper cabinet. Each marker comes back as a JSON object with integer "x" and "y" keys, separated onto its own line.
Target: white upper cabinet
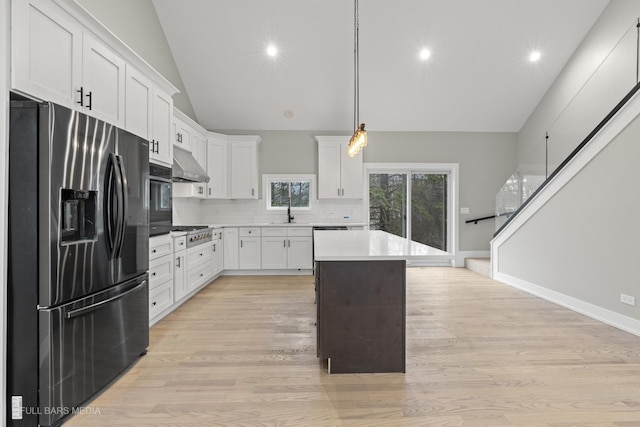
{"x": 339, "y": 176}
{"x": 138, "y": 105}
{"x": 243, "y": 166}
{"x": 182, "y": 137}
{"x": 56, "y": 60}
{"x": 46, "y": 49}
{"x": 60, "y": 53}
{"x": 103, "y": 82}
{"x": 161, "y": 146}
{"x": 217, "y": 160}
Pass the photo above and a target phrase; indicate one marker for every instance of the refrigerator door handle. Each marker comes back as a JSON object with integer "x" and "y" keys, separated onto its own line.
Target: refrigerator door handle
{"x": 110, "y": 200}
{"x": 84, "y": 310}
{"x": 124, "y": 190}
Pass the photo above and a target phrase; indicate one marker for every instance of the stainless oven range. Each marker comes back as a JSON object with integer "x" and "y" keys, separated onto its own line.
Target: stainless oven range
{"x": 196, "y": 234}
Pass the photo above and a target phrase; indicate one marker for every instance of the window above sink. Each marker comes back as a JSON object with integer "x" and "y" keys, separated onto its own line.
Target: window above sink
{"x": 289, "y": 191}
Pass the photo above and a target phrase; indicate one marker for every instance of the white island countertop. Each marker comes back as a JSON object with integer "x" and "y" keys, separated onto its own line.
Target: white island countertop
{"x": 368, "y": 245}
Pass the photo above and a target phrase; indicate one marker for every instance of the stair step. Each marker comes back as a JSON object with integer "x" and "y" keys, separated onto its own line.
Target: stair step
{"x": 479, "y": 265}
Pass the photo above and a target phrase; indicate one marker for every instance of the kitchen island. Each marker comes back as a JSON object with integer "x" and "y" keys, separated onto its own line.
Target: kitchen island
{"x": 360, "y": 295}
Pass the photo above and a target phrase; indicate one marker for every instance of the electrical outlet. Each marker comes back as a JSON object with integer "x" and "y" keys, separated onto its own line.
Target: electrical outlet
{"x": 627, "y": 299}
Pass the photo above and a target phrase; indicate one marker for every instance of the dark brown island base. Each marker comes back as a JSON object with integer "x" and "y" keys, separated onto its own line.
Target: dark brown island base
{"x": 361, "y": 315}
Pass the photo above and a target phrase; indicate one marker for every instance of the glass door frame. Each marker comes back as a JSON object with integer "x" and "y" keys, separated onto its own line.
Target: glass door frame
{"x": 450, "y": 169}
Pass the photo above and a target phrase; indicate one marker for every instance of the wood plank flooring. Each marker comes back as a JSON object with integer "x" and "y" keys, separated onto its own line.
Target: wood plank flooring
{"x": 479, "y": 353}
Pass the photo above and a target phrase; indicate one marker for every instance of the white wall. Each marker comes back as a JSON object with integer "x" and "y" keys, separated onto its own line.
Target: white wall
{"x": 582, "y": 246}
{"x": 136, "y": 23}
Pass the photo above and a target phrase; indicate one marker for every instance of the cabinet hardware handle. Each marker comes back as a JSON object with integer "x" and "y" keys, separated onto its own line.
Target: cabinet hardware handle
{"x": 284, "y": 242}
{"x": 154, "y": 251}
{"x": 201, "y": 254}
{"x": 338, "y": 192}
{"x": 81, "y": 92}
{"x": 240, "y": 243}
{"x": 153, "y": 303}
{"x": 209, "y": 191}
{"x": 200, "y": 190}
{"x": 289, "y": 243}
{"x": 343, "y": 191}
{"x": 90, "y": 95}
{"x": 153, "y": 274}
{"x": 214, "y": 247}
{"x": 178, "y": 264}
{"x": 157, "y": 143}
{"x": 253, "y": 192}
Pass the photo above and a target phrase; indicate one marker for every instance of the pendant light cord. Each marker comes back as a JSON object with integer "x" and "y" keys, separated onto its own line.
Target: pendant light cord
{"x": 356, "y": 67}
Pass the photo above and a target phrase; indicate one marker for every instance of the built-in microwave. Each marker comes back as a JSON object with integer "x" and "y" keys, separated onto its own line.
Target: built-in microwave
{"x": 160, "y": 200}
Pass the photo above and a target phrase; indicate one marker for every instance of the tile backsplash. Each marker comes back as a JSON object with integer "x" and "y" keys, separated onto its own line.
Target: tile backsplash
{"x": 195, "y": 211}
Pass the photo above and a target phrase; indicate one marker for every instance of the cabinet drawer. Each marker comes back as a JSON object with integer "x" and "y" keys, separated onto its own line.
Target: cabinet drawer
{"x": 274, "y": 231}
{"x": 160, "y": 246}
{"x": 160, "y": 298}
{"x": 198, "y": 276}
{"x": 179, "y": 243}
{"x": 160, "y": 270}
{"x": 299, "y": 231}
{"x": 198, "y": 255}
{"x": 249, "y": 231}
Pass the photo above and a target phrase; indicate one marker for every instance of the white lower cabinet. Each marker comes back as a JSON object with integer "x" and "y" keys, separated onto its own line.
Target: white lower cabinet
{"x": 230, "y": 244}
{"x": 217, "y": 260}
{"x": 160, "y": 275}
{"x": 198, "y": 266}
{"x": 249, "y": 254}
{"x": 179, "y": 268}
{"x": 286, "y": 248}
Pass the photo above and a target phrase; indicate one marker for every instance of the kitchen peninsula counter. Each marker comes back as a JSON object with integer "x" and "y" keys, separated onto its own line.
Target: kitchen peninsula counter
{"x": 360, "y": 295}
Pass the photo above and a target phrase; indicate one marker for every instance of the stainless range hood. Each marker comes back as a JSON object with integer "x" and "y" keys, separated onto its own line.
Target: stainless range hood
{"x": 186, "y": 168}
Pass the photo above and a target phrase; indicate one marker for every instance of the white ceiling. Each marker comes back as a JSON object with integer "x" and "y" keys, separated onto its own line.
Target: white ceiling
{"x": 477, "y": 79}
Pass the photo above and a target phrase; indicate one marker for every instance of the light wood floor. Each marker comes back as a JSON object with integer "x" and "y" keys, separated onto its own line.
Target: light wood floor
{"x": 479, "y": 353}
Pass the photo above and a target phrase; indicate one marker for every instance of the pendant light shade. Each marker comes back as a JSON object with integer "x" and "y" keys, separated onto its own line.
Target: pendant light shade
{"x": 359, "y": 139}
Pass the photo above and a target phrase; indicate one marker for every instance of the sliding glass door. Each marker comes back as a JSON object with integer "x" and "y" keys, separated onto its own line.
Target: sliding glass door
{"x": 411, "y": 204}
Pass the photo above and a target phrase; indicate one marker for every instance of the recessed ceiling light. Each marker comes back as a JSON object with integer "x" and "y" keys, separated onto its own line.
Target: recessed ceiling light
{"x": 535, "y": 56}
{"x": 425, "y": 54}
{"x": 272, "y": 50}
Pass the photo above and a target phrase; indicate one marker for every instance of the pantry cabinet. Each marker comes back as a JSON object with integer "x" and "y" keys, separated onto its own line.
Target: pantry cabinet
{"x": 339, "y": 176}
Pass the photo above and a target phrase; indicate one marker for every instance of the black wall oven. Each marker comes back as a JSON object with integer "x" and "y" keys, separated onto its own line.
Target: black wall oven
{"x": 160, "y": 200}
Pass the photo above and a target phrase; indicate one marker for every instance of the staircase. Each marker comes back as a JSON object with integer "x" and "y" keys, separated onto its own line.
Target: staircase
{"x": 479, "y": 265}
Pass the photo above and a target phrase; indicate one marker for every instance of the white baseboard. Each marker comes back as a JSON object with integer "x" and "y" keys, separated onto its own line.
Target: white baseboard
{"x": 604, "y": 315}
{"x": 267, "y": 272}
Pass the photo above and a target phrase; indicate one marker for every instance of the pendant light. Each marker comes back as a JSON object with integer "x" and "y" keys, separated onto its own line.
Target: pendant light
{"x": 359, "y": 139}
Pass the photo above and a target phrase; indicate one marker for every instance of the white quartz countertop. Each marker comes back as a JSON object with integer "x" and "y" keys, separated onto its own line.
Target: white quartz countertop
{"x": 367, "y": 245}
{"x": 292, "y": 224}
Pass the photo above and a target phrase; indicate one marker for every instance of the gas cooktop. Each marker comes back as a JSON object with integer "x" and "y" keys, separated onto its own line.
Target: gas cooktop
{"x": 189, "y": 227}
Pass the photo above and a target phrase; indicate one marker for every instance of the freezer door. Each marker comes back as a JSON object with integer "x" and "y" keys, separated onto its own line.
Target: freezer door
{"x": 84, "y": 345}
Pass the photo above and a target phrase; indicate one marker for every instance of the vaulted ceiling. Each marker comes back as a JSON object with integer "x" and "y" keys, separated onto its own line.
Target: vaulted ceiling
{"x": 477, "y": 78}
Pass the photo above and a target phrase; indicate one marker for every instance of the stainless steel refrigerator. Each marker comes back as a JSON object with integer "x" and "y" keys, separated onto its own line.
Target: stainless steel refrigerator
{"x": 78, "y": 310}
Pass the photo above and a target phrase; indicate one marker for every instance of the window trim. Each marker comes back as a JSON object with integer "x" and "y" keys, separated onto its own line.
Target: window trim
{"x": 267, "y": 179}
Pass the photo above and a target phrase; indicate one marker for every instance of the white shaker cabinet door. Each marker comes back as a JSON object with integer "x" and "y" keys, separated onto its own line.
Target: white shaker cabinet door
{"x": 46, "y": 52}
{"x": 161, "y": 146}
{"x": 329, "y": 185}
{"x": 103, "y": 85}
{"x": 138, "y": 106}
{"x": 217, "y": 159}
